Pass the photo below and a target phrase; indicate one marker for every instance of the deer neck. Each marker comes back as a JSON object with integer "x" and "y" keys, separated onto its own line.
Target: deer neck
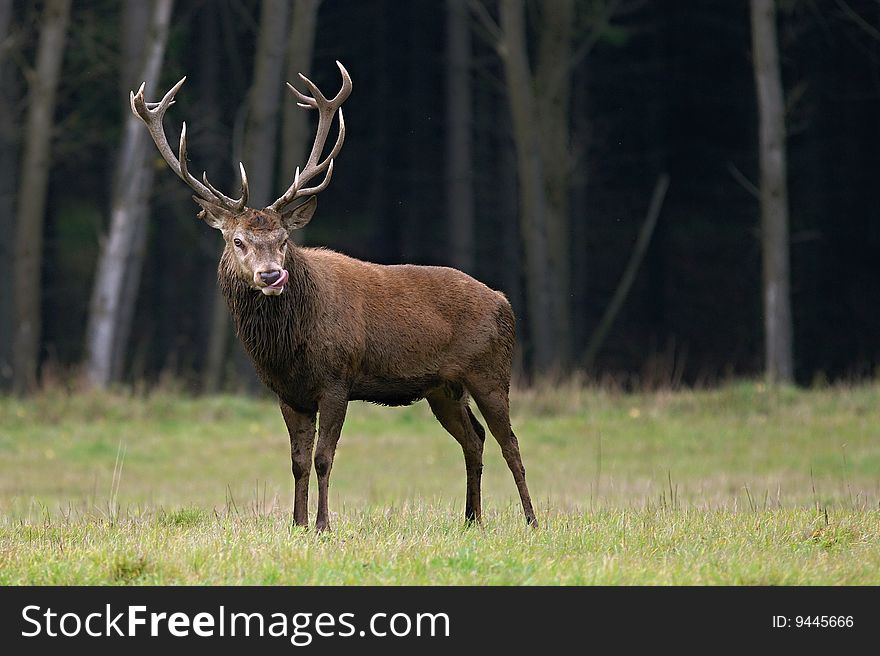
{"x": 271, "y": 328}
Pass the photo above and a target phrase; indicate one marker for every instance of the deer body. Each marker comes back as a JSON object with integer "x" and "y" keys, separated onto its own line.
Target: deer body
{"x": 323, "y": 329}
{"x": 386, "y": 334}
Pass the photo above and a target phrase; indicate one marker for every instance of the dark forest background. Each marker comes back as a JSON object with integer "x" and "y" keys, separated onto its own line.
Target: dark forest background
{"x": 658, "y": 87}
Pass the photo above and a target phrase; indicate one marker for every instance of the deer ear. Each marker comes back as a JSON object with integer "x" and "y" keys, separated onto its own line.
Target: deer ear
{"x": 214, "y": 215}
{"x": 300, "y": 215}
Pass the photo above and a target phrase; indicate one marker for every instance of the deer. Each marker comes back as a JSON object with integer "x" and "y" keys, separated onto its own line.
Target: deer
{"x": 323, "y": 329}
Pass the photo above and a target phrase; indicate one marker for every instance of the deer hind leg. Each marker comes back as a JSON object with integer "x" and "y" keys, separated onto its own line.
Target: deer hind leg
{"x": 331, "y": 411}
{"x": 450, "y": 406}
{"x": 494, "y": 404}
{"x": 301, "y": 427}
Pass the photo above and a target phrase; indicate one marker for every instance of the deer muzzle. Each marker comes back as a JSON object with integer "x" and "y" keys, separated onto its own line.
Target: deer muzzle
{"x": 274, "y": 281}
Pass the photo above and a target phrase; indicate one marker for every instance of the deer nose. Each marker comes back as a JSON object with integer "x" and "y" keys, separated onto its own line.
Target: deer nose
{"x": 270, "y": 277}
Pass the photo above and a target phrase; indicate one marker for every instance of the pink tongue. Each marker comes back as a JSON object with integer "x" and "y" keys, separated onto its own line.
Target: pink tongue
{"x": 282, "y": 280}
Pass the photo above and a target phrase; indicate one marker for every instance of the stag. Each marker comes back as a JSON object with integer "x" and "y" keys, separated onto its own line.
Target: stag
{"x": 323, "y": 329}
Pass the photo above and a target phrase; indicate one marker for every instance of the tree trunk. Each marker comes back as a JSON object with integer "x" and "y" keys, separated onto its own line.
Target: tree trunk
{"x": 410, "y": 228}
{"x": 261, "y": 129}
{"x": 511, "y": 242}
{"x": 382, "y": 195}
{"x": 131, "y": 283}
{"x": 552, "y": 84}
{"x": 8, "y": 173}
{"x": 580, "y": 256}
{"x": 533, "y": 201}
{"x": 264, "y": 102}
{"x": 459, "y": 111}
{"x": 212, "y": 82}
{"x": 122, "y": 255}
{"x": 136, "y": 22}
{"x": 135, "y": 25}
{"x": 295, "y": 123}
{"x": 774, "y": 194}
{"x": 218, "y": 343}
{"x": 32, "y": 195}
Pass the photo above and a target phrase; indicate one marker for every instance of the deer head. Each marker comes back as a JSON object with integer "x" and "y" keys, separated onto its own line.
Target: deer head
{"x": 256, "y": 239}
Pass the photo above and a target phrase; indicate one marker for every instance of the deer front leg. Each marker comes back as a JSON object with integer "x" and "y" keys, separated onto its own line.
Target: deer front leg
{"x": 301, "y": 427}
{"x": 331, "y": 409}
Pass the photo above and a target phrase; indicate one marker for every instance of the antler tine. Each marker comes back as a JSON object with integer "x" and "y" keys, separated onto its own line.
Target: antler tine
{"x": 236, "y": 203}
{"x": 338, "y": 145}
{"x": 152, "y": 114}
{"x": 142, "y": 108}
{"x": 244, "y": 184}
{"x": 233, "y": 203}
{"x": 317, "y": 96}
{"x": 140, "y": 95}
{"x": 311, "y": 191}
{"x": 345, "y": 90}
{"x": 314, "y": 165}
{"x": 327, "y": 161}
{"x": 146, "y": 109}
{"x": 304, "y": 101}
{"x": 181, "y": 154}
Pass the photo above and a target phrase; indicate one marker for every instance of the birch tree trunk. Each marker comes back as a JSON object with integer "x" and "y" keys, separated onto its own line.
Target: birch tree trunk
{"x": 32, "y": 195}
{"x": 8, "y": 174}
{"x": 135, "y": 28}
{"x": 121, "y": 257}
{"x": 459, "y": 110}
{"x": 136, "y": 25}
{"x": 778, "y": 348}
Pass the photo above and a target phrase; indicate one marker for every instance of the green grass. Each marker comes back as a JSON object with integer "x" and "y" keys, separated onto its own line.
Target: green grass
{"x": 734, "y": 486}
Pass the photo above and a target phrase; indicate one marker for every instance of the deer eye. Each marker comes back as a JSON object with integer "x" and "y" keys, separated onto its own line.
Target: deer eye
{"x": 237, "y": 242}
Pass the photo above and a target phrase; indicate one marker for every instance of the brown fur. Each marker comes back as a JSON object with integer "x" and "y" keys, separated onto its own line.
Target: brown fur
{"x": 345, "y": 330}
{"x": 387, "y": 334}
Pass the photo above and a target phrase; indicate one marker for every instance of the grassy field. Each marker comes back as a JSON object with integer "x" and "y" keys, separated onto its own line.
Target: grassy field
{"x": 734, "y": 486}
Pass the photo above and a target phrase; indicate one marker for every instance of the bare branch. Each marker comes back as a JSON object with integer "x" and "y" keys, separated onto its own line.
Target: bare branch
{"x": 856, "y": 18}
{"x": 629, "y": 274}
{"x": 595, "y": 34}
{"x": 478, "y": 9}
{"x": 740, "y": 177}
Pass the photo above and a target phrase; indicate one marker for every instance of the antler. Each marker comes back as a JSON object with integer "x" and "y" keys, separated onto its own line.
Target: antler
{"x": 152, "y": 114}
{"x": 326, "y": 110}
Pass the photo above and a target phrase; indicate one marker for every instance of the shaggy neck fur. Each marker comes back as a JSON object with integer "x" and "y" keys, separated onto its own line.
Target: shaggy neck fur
{"x": 273, "y": 329}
